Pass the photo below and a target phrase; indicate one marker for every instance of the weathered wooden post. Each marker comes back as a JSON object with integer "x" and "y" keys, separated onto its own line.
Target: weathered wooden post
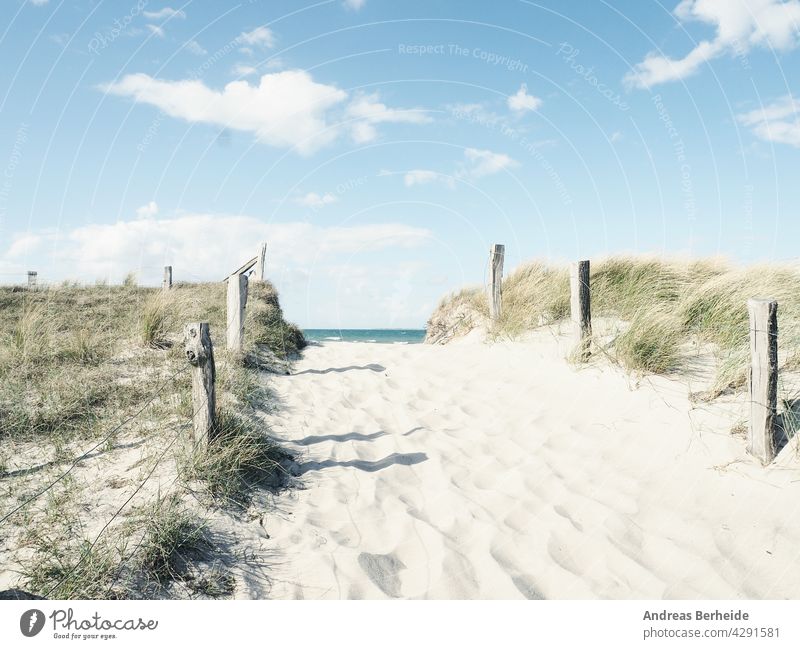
{"x": 200, "y": 353}
{"x": 33, "y": 277}
{"x": 166, "y": 283}
{"x": 260, "y": 273}
{"x": 763, "y": 377}
{"x": 580, "y": 309}
{"x": 497, "y": 254}
{"x": 237, "y": 301}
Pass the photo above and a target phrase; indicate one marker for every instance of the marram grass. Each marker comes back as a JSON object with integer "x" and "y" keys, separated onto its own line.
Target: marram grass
{"x": 662, "y": 307}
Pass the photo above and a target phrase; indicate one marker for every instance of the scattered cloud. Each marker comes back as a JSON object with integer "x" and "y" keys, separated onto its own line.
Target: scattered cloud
{"x": 616, "y": 136}
{"x": 482, "y": 162}
{"x": 740, "y": 26}
{"x": 60, "y": 39}
{"x": 243, "y": 70}
{"x": 156, "y": 30}
{"x": 355, "y": 5}
{"x": 287, "y": 109}
{"x": 420, "y": 177}
{"x": 367, "y": 110}
{"x": 162, "y": 14}
{"x": 38, "y": 3}
{"x": 217, "y": 243}
{"x": 522, "y": 102}
{"x": 776, "y": 122}
{"x": 477, "y": 163}
{"x": 315, "y": 201}
{"x": 195, "y": 48}
{"x": 147, "y": 211}
{"x": 260, "y": 36}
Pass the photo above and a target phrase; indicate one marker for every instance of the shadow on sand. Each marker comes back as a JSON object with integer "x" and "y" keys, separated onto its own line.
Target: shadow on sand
{"x": 370, "y": 466}
{"x": 374, "y": 367}
{"x": 347, "y": 437}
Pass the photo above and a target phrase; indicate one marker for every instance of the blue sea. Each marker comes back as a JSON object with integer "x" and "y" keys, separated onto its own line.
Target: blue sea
{"x": 365, "y": 335}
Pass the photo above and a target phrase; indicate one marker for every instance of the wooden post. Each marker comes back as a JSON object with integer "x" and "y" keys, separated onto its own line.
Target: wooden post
{"x": 33, "y": 277}
{"x": 200, "y": 353}
{"x": 237, "y": 301}
{"x": 497, "y": 253}
{"x": 166, "y": 283}
{"x": 763, "y": 377}
{"x": 580, "y": 309}
{"x": 261, "y": 259}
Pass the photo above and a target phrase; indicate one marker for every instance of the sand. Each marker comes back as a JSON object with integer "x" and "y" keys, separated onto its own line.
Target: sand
{"x": 477, "y": 470}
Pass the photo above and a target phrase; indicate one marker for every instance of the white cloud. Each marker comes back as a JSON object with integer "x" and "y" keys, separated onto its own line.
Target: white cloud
{"x": 616, "y": 136}
{"x": 740, "y": 26}
{"x": 260, "y": 36}
{"x": 156, "y": 30}
{"x": 23, "y": 245}
{"x": 420, "y": 177}
{"x": 477, "y": 163}
{"x": 166, "y": 12}
{"x": 776, "y": 122}
{"x": 195, "y": 48}
{"x": 38, "y": 3}
{"x": 368, "y": 110}
{"x": 522, "y": 101}
{"x": 285, "y": 108}
{"x": 200, "y": 246}
{"x": 147, "y": 211}
{"x": 355, "y": 5}
{"x": 315, "y": 201}
{"x": 243, "y": 70}
{"x": 482, "y": 162}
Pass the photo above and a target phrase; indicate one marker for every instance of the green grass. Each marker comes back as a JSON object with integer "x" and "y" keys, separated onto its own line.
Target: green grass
{"x": 172, "y": 534}
{"x": 662, "y": 304}
{"x": 62, "y": 568}
{"x": 78, "y": 361}
{"x": 238, "y": 458}
{"x": 266, "y": 324}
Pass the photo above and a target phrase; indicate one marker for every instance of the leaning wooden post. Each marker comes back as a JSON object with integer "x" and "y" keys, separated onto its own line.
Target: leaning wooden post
{"x": 763, "y": 377}
{"x": 33, "y": 277}
{"x": 166, "y": 283}
{"x": 580, "y": 309}
{"x": 260, "y": 273}
{"x": 497, "y": 254}
{"x": 237, "y": 301}
{"x": 200, "y": 353}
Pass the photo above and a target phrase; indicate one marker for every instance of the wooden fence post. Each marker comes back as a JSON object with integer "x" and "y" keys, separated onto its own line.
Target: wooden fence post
{"x": 200, "y": 353}
{"x": 237, "y": 301}
{"x": 763, "y": 377}
{"x": 33, "y": 277}
{"x": 497, "y": 254}
{"x": 166, "y": 283}
{"x": 260, "y": 273}
{"x": 580, "y": 309}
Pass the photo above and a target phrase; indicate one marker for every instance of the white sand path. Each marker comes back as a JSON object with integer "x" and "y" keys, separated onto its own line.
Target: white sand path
{"x": 502, "y": 471}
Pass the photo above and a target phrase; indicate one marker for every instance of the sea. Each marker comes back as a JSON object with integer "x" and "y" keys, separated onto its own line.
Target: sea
{"x": 395, "y": 336}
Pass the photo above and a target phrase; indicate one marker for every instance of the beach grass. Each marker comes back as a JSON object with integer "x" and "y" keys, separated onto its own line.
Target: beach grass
{"x": 103, "y": 366}
{"x": 661, "y": 305}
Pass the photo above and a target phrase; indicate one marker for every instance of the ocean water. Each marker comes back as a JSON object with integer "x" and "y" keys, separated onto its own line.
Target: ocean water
{"x": 365, "y": 335}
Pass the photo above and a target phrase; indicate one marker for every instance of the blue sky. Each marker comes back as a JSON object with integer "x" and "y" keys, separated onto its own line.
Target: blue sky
{"x": 381, "y": 147}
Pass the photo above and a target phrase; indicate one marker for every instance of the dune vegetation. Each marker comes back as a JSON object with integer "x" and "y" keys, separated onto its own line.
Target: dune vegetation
{"x": 95, "y": 375}
{"x": 663, "y": 311}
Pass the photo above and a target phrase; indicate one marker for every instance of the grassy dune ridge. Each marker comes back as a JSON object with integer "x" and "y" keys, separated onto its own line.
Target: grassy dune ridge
{"x": 80, "y": 362}
{"x": 662, "y": 306}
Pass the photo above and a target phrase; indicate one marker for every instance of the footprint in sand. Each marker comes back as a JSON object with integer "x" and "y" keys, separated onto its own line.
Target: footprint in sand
{"x": 383, "y": 571}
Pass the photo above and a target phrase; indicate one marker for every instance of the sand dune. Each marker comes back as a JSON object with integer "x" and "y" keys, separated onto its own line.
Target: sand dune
{"x": 501, "y": 471}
